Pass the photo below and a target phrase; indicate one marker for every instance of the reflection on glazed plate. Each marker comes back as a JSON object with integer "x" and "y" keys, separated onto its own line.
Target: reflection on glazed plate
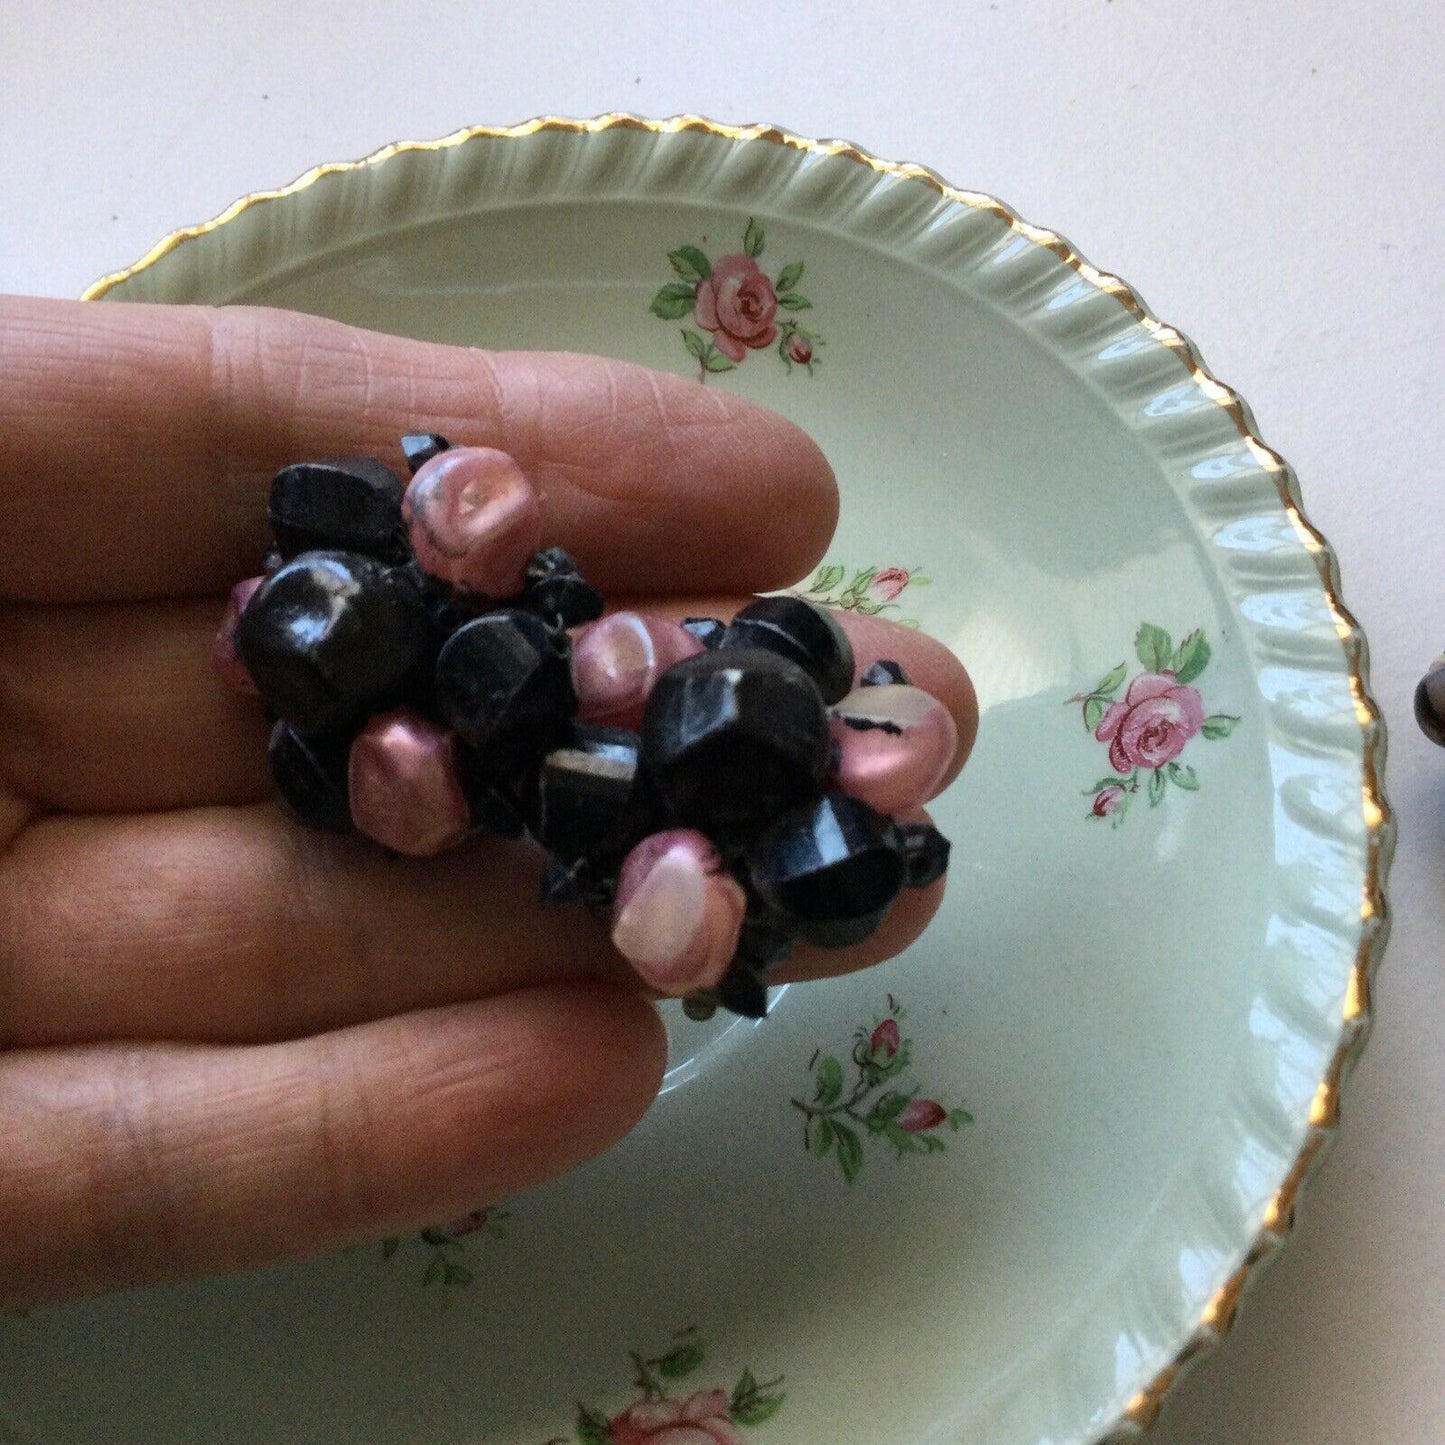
{"x": 1147, "y": 1024}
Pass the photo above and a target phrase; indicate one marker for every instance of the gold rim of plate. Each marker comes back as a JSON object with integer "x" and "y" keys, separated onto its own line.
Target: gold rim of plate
{"x": 1324, "y": 1116}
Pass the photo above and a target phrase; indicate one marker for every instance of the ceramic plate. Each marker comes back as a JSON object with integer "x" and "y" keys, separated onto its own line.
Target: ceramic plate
{"x": 999, "y": 1189}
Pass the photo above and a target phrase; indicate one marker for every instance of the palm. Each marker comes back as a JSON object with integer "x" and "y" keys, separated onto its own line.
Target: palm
{"x": 212, "y": 1014}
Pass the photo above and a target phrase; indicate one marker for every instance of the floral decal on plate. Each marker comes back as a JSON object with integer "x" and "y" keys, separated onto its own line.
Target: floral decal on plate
{"x": 737, "y": 307}
{"x": 446, "y": 1244}
{"x": 869, "y": 590}
{"x": 703, "y": 1417}
{"x": 1148, "y": 728}
{"x": 877, "y": 1105}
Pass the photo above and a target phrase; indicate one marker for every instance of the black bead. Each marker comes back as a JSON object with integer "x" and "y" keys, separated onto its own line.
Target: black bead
{"x": 492, "y": 798}
{"x": 883, "y": 672}
{"x": 349, "y": 504}
{"x": 807, "y": 635}
{"x": 504, "y": 683}
{"x": 925, "y": 853}
{"x": 564, "y": 883}
{"x": 744, "y": 992}
{"x": 1430, "y": 703}
{"x": 556, "y": 590}
{"x": 272, "y": 561}
{"x": 731, "y": 738}
{"x": 309, "y": 774}
{"x": 764, "y": 941}
{"x": 331, "y": 637}
{"x": 584, "y": 794}
{"x": 708, "y": 630}
{"x": 419, "y": 447}
{"x": 831, "y": 868}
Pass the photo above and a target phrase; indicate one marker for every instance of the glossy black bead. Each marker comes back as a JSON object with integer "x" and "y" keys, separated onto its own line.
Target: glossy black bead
{"x": 764, "y": 941}
{"x": 708, "y": 630}
{"x": 419, "y": 447}
{"x": 492, "y": 797}
{"x": 556, "y": 590}
{"x": 925, "y": 853}
{"x": 331, "y": 637}
{"x": 504, "y": 683}
{"x": 584, "y": 794}
{"x": 744, "y": 992}
{"x": 807, "y": 635}
{"x": 733, "y": 737}
{"x": 831, "y": 868}
{"x": 309, "y": 774}
{"x": 883, "y": 673}
{"x": 347, "y": 504}
{"x": 1430, "y": 703}
{"x": 272, "y": 561}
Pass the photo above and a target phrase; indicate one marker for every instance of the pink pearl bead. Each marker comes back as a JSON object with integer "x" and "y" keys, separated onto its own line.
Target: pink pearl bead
{"x": 229, "y": 668}
{"x": 678, "y": 912}
{"x": 895, "y": 744}
{"x": 474, "y": 520}
{"x": 616, "y": 660}
{"x": 402, "y": 781}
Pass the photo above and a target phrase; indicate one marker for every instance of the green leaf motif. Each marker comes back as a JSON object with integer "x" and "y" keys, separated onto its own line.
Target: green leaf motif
{"x": 850, "y": 1152}
{"x": 1109, "y": 683}
{"x": 690, "y": 263}
{"x": 1192, "y": 657}
{"x": 753, "y": 238}
{"x": 673, "y": 301}
{"x": 433, "y": 1235}
{"x": 591, "y": 1427}
{"x": 1219, "y": 726}
{"x": 1093, "y": 712}
{"x": 681, "y": 1362}
{"x": 791, "y": 301}
{"x": 759, "y": 1409}
{"x": 789, "y": 276}
{"x": 828, "y": 577}
{"x": 434, "y": 1270}
{"x": 458, "y": 1274}
{"x": 696, "y": 346}
{"x": 714, "y": 360}
{"x": 390, "y": 1246}
{"x": 1183, "y": 778}
{"x": 886, "y": 1110}
{"x": 957, "y": 1118}
{"x": 830, "y": 1080}
{"x": 822, "y": 1139}
{"x": 747, "y": 1389}
{"x": 1156, "y": 788}
{"x": 1154, "y": 646}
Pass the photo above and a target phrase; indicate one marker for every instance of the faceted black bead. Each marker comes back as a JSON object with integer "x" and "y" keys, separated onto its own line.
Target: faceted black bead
{"x": 331, "y": 637}
{"x": 733, "y": 737}
{"x": 1430, "y": 703}
{"x": 419, "y": 447}
{"x": 350, "y": 504}
{"x": 883, "y": 672}
{"x": 504, "y": 683}
{"x": 925, "y": 853}
{"x": 584, "y": 793}
{"x": 744, "y": 992}
{"x": 832, "y": 868}
{"x": 492, "y": 798}
{"x": 807, "y": 635}
{"x": 556, "y": 590}
{"x": 708, "y": 630}
{"x": 310, "y": 776}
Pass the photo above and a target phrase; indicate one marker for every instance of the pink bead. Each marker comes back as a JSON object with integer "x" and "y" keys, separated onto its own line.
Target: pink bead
{"x": 402, "y": 781}
{"x": 229, "y": 668}
{"x": 474, "y": 520}
{"x": 895, "y": 744}
{"x": 616, "y": 660}
{"x": 678, "y": 912}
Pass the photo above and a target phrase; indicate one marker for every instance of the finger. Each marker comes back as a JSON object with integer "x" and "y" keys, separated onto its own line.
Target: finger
{"x": 116, "y": 708}
{"x": 133, "y": 1164}
{"x": 137, "y": 444}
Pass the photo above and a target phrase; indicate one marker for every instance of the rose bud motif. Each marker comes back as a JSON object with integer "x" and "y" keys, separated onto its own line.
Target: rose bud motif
{"x": 889, "y": 583}
{"x": 921, "y": 1115}
{"x": 468, "y": 1223}
{"x": 800, "y": 349}
{"x": 885, "y": 1040}
{"x": 1108, "y": 800}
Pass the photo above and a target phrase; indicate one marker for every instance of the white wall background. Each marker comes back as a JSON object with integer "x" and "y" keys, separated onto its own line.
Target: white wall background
{"x": 1268, "y": 175}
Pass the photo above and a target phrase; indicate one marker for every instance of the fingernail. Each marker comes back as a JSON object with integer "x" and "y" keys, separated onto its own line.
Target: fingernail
{"x": 402, "y": 782}
{"x": 229, "y": 667}
{"x": 678, "y": 912}
{"x": 616, "y": 660}
{"x": 895, "y": 743}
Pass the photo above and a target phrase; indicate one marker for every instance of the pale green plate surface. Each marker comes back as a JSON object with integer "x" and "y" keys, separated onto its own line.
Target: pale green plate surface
{"x": 1141, "y": 1018}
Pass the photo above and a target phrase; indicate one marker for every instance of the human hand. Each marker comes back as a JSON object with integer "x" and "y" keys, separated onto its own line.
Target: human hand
{"x": 230, "y": 1039}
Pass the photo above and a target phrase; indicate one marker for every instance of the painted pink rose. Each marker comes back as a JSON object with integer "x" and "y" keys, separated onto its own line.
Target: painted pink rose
{"x": 1150, "y": 727}
{"x": 468, "y": 1223}
{"x": 887, "y": 584}
{"x": 1108, "y": 800}
{"x": 738, "y": 305}
{"x": 799, "y": 349}
{"x": 885, "y": 1040}
{"x": 701, "y": 1419}
{"x": 921, "y": 1115}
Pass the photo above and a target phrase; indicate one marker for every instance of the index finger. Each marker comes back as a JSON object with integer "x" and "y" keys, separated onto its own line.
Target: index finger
{"x": 137, "y": 444}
